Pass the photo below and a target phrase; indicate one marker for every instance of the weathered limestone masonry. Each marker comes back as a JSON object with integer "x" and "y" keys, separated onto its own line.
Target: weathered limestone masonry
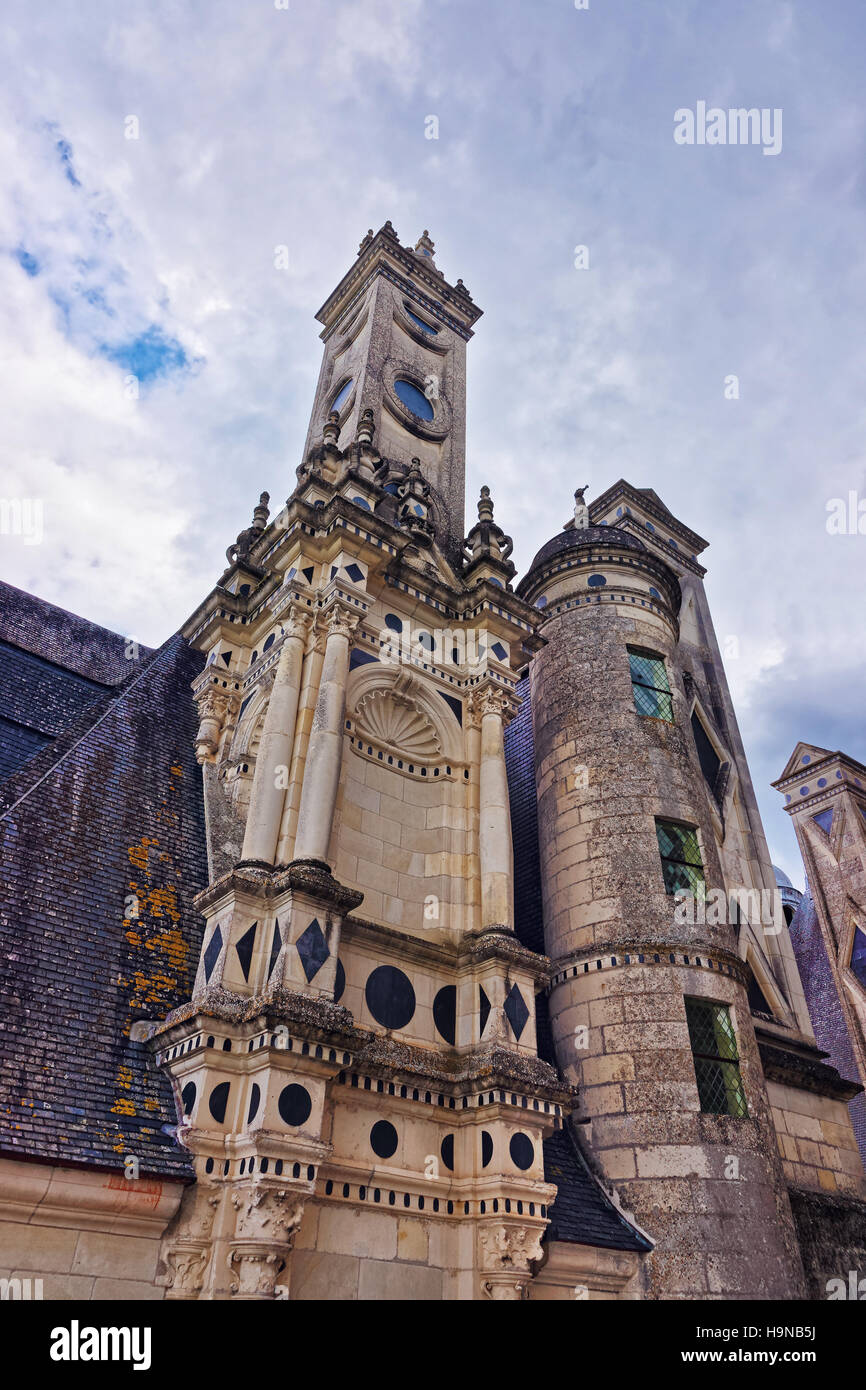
{"x": 357, "y": 1065}
{"x": 709, "y": 1188}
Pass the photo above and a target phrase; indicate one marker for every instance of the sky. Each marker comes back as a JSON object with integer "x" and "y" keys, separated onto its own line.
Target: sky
{"x": 158, "y": 359}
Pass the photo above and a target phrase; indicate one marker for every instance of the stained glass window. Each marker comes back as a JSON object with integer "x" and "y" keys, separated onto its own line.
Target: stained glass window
{"x": 649, "y": 679}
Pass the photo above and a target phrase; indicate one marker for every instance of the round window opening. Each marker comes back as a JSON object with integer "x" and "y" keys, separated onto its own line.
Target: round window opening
{"x": 342, "y": 396}
{"x": 413, "y": 399}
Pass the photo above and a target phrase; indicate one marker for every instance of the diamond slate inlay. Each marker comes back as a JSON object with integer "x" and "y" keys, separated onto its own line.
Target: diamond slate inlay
{"x": 483, "y": 1010}
{"x": 276, "y": 947}
{"x": 516, "y": 1011}
{"x": 212, "y": 954}
{"x": 244, "y": 948}
{"x": 313, "y": 949}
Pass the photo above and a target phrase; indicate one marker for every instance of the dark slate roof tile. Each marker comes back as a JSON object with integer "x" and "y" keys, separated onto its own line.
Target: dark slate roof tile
{"x": 583, "y": 1214}
{"x": 112, "y": 806}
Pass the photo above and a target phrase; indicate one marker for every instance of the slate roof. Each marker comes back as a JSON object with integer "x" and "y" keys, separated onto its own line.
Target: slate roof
{"x": 583, "y": 1214}
{"x": 574, "y": 538}
{"x": 109, "y": 810}
{"x": 53, "y": 665}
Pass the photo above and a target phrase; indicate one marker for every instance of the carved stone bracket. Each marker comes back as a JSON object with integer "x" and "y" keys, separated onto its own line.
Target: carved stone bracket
{"x": 266, "y": 1225}
{"x": 214, "y": 708}
{"x": 507, "y": 1254}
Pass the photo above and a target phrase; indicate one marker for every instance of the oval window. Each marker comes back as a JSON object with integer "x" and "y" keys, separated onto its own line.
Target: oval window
{"x": 342, "y": 396}
{"x": 596, "y": 581}
{"x": 426, "y": 327}
{"x": 413, "y": 399}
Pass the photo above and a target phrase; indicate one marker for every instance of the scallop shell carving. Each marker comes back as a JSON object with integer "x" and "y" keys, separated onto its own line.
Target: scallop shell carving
{"x": 398, "y": 724}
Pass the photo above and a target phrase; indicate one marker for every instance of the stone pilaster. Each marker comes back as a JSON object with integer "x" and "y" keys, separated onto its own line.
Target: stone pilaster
{"x": 496, "y": 855}
{"x": 325, "y": 751}
{"x": 275, "y": 749}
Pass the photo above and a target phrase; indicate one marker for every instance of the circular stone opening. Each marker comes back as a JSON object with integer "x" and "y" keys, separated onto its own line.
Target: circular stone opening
{"x": 414, "y": 400}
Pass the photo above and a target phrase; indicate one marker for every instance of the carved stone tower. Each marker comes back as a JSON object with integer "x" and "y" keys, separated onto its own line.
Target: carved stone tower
{"x": 357, "y": 1067}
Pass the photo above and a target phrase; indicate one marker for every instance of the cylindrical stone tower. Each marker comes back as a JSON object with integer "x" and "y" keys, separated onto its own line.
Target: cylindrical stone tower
{"x": 649, "y": 1010}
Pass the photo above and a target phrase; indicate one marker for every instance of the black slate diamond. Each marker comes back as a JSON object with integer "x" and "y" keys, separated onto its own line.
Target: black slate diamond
{"x": 516, "y": 1011}
{"x": 276, "y": 947}
{"x": 212, "y": 954}
{"x": 313, "y": 949}
{"x": 483, "y": 1010}
{"x": 244, "y": 948}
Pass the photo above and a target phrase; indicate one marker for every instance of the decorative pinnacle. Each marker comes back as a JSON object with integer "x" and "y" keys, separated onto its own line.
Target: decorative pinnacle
{"x": 485, "y": 505}
{"x": 581, "y": 510}
{"x": 262, "y": 512}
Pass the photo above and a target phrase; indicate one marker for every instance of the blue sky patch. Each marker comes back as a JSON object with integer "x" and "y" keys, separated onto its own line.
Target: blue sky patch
{"x": 26, "y": 261}
{"x": 148, "y": 355}
{"x": 64, "y": 149}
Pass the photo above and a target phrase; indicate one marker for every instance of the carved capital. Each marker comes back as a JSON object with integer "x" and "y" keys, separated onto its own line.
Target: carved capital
{"x": 255, "y": 1271}
{"x": 489, "y": 699}
{"x": 342, "y": 622}
{"x": 298, "y": 622}
{"x": 266, "y": 1224}
{"x": 186, "y": 1265}
{"x": 509, "y": 1249}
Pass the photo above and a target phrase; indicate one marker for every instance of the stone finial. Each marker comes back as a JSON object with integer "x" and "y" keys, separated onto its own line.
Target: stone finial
{"x": 366, "y": 427}
{"x": 388, "y": 229}
{"x": 261, "y": 512}
{"x": 331, "y": 430}
{"x": 581, "y": 510}
{"x": 241, "y": 548}
{"x": 366, "y": 240}
{"x": 485, "y": 505}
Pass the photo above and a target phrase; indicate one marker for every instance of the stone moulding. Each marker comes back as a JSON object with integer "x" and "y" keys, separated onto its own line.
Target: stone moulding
{"x": 805, "y": 1073}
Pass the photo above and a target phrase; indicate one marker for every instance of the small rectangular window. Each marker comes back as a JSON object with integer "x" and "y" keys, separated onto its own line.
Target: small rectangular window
{"x": 649, "y": 681}
{"x": 717, "y": 1062}
{"x": 681, "y": 858}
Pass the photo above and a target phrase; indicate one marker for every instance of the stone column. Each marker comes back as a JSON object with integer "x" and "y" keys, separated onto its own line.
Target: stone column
{"x": 495, "y": 850}
{"x": 325, "y": 751}
{"x": 275, "y": 748}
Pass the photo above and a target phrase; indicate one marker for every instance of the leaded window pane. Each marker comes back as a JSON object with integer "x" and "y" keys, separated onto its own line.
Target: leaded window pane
{"x": 681, "y": 859}
{"x": 714, "y": 1049}
{"x": 649, "y": 679}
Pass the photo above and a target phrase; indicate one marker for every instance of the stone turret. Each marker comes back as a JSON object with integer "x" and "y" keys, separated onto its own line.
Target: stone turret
{"x": 618, "y": 786}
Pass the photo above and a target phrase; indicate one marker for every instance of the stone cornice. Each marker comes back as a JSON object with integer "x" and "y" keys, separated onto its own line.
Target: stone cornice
{"x": 464, "y": 955}
{"x": 802, "y": 1070}
{"x": 302, "y": 876}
